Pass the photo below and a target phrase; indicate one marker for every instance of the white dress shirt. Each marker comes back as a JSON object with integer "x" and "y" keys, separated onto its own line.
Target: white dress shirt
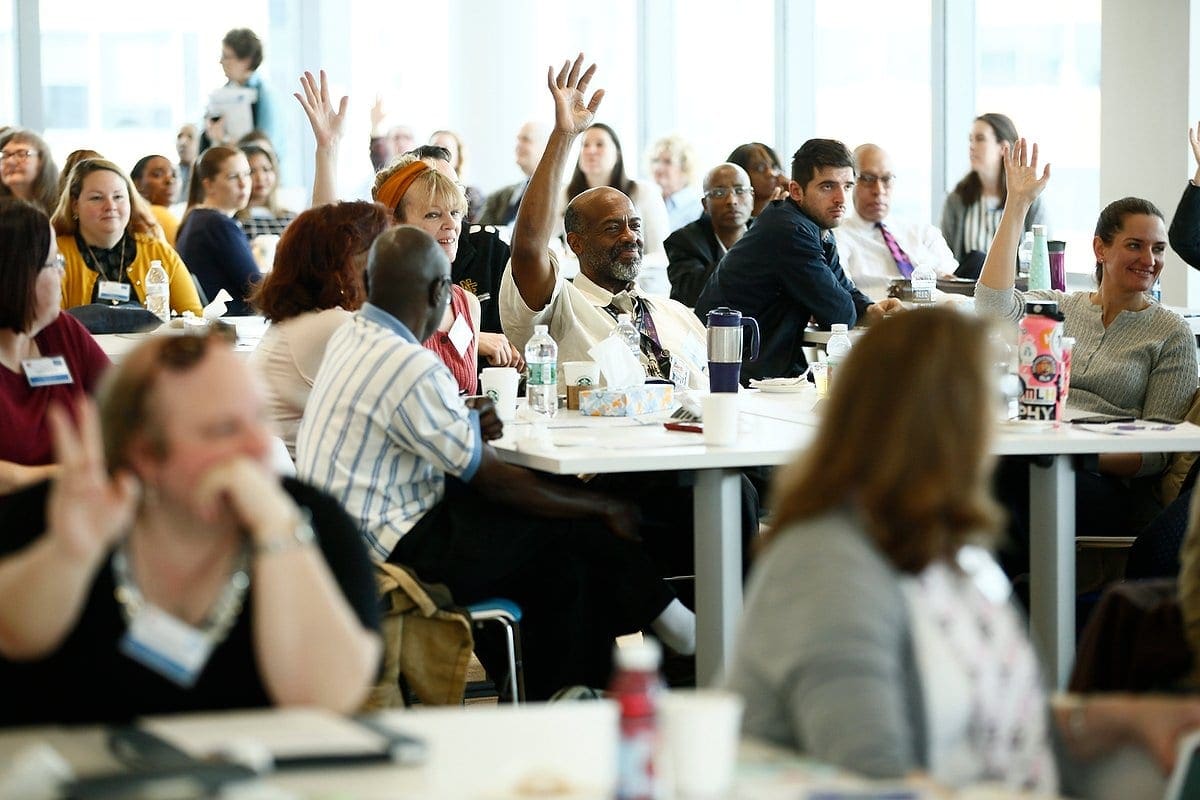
{"x": 866, "y": 259}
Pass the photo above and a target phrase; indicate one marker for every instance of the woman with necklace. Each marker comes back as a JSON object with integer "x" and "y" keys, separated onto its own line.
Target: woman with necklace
{"x": 106, "y": 259}
{"x": 166, "y": 518}
{"x": 210, "y": 240}
{"x": 32, "y": 335}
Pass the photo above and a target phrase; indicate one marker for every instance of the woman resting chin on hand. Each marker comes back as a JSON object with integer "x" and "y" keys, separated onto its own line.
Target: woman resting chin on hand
{"x": 166, "y": 517}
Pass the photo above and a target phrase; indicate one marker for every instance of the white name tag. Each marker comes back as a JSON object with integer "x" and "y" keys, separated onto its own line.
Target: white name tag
{"x": 113, "y": 290}
{"x": 461, "y": 334}
{"x": 167, "y": 645}
{"x": 51, "y": 371}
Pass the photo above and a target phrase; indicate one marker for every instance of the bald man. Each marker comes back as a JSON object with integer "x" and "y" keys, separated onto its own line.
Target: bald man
{"x": 866, "y": 255}
{"x": 501, "y": 206}
{"x": 694, "y": 250}
{"x": 605, "y": 231}
{"x": 386, "y": 433}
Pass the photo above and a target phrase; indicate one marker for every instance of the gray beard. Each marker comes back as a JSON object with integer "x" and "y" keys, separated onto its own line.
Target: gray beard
{"x": 622, "y": 272}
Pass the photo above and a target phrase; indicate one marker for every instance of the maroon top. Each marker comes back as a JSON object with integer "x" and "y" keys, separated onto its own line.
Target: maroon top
{"x": 24, "y": 428}
{"x": 461, "y": 367}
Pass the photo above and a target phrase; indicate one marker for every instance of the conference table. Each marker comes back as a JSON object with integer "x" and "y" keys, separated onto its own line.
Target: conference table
{"x": 250, "y": 331}
{"x": 773, "y": 428}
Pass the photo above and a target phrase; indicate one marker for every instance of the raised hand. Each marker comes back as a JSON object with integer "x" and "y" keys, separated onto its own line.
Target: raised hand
{"x": 378, "y": 115}
{"x": 326, "y": 121}
{"x": 1194, "y": 139}
{"x": 571, "y": 115}
{"x": 1020, "y": 172}
{"x": 87, "y": 510}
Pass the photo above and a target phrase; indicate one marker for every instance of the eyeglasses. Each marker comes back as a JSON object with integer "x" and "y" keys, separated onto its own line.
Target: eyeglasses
{"x": 181, "y": 352}
{"x": 721, "y": 192}
{"x": 17, "y": 156}
{"x": 869, "y": 180}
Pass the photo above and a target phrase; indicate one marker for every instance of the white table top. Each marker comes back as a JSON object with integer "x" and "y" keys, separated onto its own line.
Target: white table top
{"x": 117, "y": 345}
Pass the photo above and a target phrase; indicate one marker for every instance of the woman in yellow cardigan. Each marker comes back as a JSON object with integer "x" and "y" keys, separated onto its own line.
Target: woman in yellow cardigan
{"x": 106, "y": 260}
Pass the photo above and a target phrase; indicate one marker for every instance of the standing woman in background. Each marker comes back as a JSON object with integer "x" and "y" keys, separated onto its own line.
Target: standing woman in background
{"x": 105, "y": 256}
{"x": 972, "y": 211}
{"x": 210, "y": 241}
{"x": 27, "y": 170}
{"x": 601, "y": 163}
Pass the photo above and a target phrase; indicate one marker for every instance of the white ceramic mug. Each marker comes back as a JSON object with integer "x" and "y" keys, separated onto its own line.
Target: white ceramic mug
{"x": 719, "y": 412}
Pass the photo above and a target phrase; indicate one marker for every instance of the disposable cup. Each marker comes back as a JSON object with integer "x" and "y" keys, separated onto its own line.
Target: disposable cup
{"x": 700, "y": 731}
{"x": 500, "y": 384}
{"x": 720, "y": 414}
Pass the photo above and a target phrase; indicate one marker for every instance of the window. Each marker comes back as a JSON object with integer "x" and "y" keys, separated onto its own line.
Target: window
{"x": 872, "y": 85}
{"x": 8, "y": 65}
{"x": 1046, "y": 77}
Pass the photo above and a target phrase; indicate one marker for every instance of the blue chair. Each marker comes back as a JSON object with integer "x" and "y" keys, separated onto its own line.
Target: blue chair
{"x": 507, "y": 615}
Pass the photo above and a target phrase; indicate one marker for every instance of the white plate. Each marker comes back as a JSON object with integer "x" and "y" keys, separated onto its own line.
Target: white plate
{"x": 781, "y": 386}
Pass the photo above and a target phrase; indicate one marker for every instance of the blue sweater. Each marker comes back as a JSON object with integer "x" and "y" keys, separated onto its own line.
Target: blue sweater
{"x": 215, "y": 250}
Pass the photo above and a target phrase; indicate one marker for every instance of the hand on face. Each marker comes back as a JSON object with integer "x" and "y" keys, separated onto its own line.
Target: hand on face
{"x": 88, "y": 511}
{"x": 569, "y": 87}
{"x": 244, "y": 491}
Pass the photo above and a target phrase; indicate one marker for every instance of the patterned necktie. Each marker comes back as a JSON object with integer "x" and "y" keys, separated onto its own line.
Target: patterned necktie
{"x": 903, "y": 263}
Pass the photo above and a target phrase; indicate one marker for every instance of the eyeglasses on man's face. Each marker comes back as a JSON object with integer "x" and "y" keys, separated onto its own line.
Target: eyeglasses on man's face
{"x": 17, "y": 156}
{"x": 721, "y": 192}
{"x": 869, "y": 180}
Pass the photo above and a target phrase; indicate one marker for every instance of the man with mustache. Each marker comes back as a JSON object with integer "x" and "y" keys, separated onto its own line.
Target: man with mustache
{"x": 785, "y": 270}
{"x": 604, "y": 230}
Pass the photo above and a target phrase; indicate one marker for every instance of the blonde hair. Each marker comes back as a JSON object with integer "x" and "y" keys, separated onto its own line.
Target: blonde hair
{"x": 67, "y": 224}
{"x": 430, "y": 185}
{"x": 679, "y": 150}
{"x": 904, "y": 440}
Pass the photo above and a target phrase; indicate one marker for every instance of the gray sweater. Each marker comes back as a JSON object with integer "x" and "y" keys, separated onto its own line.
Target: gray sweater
{"x": 1142, "y": 365}
{"x": 824, "y": 657}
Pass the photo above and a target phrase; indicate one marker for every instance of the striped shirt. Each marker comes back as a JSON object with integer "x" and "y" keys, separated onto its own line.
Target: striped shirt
{"x": 382, "y": 427}
{"x": 979, "y": 227}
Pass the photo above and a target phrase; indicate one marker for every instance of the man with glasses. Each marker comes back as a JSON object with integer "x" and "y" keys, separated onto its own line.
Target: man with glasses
{"x": 694, "y": 250}
{"x": 785, "y": 271}
{"x": 874, "y": 252}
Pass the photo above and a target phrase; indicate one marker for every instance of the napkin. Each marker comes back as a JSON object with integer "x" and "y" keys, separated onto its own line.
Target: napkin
{"x": 217, "y": 307}
{"x": 618, "y": 364}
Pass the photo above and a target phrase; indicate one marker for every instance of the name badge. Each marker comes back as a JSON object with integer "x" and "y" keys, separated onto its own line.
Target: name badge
{"x": 52, "y": 371}
{"x": 461, "y": 334}
{"x": 113, "y": 290}
{"x": 169, "y": 646}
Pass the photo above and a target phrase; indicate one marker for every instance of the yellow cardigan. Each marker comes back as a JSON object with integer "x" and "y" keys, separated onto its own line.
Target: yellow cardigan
{"x": 79, "y": 280}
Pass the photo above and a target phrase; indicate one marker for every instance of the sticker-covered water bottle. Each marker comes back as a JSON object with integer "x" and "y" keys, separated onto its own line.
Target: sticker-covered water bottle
{"x": 1039, "y": 350}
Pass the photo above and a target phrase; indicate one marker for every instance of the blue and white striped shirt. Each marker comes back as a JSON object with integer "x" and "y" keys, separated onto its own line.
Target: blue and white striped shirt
{"x": 383, "y": 425}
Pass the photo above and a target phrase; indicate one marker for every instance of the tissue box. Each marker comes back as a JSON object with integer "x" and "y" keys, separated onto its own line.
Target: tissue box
{"x": 627, "y": 402}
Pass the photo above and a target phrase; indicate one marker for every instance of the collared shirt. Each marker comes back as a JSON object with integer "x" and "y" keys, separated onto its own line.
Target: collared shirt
{"x": 682, "y": 207}
{"x": 383, "y": 425}
{"x": 866, "y": 258}
{"x": 578, "y": 320}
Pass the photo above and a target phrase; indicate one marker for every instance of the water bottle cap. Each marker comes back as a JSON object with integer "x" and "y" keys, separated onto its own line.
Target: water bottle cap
{"x": 540, "y": 329}
{"x": 643, "y": 656}
{"x": 1039, "y": 230}
{"x": 155, "y": 263}
{"x": 838, "y": 327}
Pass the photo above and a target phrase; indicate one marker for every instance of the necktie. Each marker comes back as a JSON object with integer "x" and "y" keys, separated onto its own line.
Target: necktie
{"x": 903, "y": 263}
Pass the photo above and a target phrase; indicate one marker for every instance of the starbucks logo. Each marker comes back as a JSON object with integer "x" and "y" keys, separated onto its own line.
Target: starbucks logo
{"x": 493, "y": 395}
{"x": 586, "y": 380}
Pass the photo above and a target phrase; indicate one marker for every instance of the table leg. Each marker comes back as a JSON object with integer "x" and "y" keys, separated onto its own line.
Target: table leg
{"x": 717, "y": 501}
{"x": 1052, "y": 565}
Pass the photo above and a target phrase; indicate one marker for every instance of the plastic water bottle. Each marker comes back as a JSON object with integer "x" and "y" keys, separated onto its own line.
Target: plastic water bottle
{"x": 1039, "y": 260}
{"x": 626, "y": 330}
{"x": 1025, "y": 253}
{"x": 836, "y": 350}
{"x": 158, "y": 292}
{"x": 636, "y": 686}
{"x": 924, "y": 283}
{"x": 541, "y": 387}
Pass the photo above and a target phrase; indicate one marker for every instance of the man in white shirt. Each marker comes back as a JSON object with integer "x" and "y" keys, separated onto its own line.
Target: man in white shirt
{"x": 604, "y": 230}
{"x": 868, "y": 257}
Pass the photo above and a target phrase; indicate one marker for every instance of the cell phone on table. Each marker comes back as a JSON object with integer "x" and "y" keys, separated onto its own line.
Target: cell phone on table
{"x": 1100, "y": 420}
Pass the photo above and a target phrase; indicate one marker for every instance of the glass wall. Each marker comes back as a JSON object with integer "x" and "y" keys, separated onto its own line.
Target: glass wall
{"x": 8, "y": 65}
{"x": 1046, "y": 77}
{"x": 872, "y": 67}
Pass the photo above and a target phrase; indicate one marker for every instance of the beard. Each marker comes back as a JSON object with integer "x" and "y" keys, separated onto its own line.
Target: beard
{"x": 608, "y": 263}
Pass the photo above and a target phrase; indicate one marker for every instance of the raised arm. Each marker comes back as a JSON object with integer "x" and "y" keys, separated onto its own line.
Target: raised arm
{"x": 326, "y": 122}
{"x": 1185, "y": 225}
{"x": 1024, "y": 186}
{"x": 536, "y": 219}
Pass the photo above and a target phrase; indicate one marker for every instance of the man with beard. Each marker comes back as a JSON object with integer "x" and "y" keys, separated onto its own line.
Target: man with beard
{"x": 694, "y": 250}
{"x": 604, "y": 230}
{"x": 785, "y": 271}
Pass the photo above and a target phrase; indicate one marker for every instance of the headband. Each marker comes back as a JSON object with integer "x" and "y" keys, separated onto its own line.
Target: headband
{"x": 394, "y": 188}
